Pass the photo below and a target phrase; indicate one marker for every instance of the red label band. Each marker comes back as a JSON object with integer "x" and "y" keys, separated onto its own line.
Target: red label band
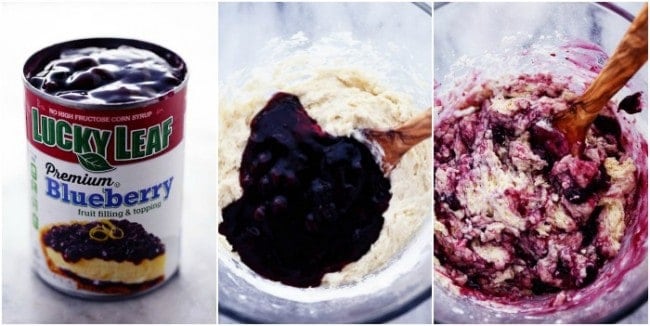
{"x": 103, "y": 138}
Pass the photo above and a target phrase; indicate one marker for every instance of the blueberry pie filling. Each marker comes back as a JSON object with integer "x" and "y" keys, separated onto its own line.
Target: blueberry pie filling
{"x": 311, "y": 202}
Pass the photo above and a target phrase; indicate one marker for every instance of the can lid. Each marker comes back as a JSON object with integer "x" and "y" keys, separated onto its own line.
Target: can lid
{"x": 39, "y": 60}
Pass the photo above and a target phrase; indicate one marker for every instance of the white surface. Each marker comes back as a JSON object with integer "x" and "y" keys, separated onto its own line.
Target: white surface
{"x": 421, "y": 314}
{"x": 640, "y": 315}
{"x": 189, "y": 29}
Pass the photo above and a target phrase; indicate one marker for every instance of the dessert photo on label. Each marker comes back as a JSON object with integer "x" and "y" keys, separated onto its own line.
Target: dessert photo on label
{"x": 111, "y": 256}
{"x": 540, "y": 164}
{"x": 324, "y": 156}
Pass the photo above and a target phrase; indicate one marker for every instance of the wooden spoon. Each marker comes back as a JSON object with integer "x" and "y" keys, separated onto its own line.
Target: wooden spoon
{"x": 629, "y": 57}
{"x": 391, "y": 145}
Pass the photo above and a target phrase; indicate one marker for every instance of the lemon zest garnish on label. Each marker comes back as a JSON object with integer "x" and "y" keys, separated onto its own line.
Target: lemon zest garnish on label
{"x": 106, "y": 229}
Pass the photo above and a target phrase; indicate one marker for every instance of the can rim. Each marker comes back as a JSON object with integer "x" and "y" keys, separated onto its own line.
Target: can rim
{"x": 40, "y": 58}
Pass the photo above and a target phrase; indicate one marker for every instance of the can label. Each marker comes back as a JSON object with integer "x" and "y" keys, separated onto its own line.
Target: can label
{"x": 106, "y": 190}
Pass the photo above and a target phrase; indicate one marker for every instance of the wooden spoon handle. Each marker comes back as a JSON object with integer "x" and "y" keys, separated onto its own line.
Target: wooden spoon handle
{"x": 396, "y": 142}
{"x": 630, "y": 55}
{"x": 416, "y": 129}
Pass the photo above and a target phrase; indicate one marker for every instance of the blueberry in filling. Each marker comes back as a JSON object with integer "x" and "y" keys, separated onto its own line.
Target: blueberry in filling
{"x": 99, "y": 75}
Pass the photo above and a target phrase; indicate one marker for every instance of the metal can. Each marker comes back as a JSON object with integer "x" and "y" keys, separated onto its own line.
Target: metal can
{"x": 104, "y": 121}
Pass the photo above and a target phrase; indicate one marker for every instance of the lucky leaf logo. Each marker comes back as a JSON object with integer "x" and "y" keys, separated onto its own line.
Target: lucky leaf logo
{"x": 94, "y": 162}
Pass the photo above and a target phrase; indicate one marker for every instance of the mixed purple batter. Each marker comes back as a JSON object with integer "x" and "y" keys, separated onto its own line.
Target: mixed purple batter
{"x": 516, "y": 214}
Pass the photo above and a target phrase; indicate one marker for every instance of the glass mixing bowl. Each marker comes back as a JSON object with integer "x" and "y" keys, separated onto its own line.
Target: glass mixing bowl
{"x": 401, "y": 32}
{"x": 466, "y": 37}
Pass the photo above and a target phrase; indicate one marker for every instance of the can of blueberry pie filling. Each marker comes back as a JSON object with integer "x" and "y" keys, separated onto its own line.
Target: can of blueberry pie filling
{"x": 104, "y": 120}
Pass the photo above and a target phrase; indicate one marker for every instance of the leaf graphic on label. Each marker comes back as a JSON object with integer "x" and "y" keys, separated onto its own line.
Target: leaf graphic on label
{"x": 94, "y": 162}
